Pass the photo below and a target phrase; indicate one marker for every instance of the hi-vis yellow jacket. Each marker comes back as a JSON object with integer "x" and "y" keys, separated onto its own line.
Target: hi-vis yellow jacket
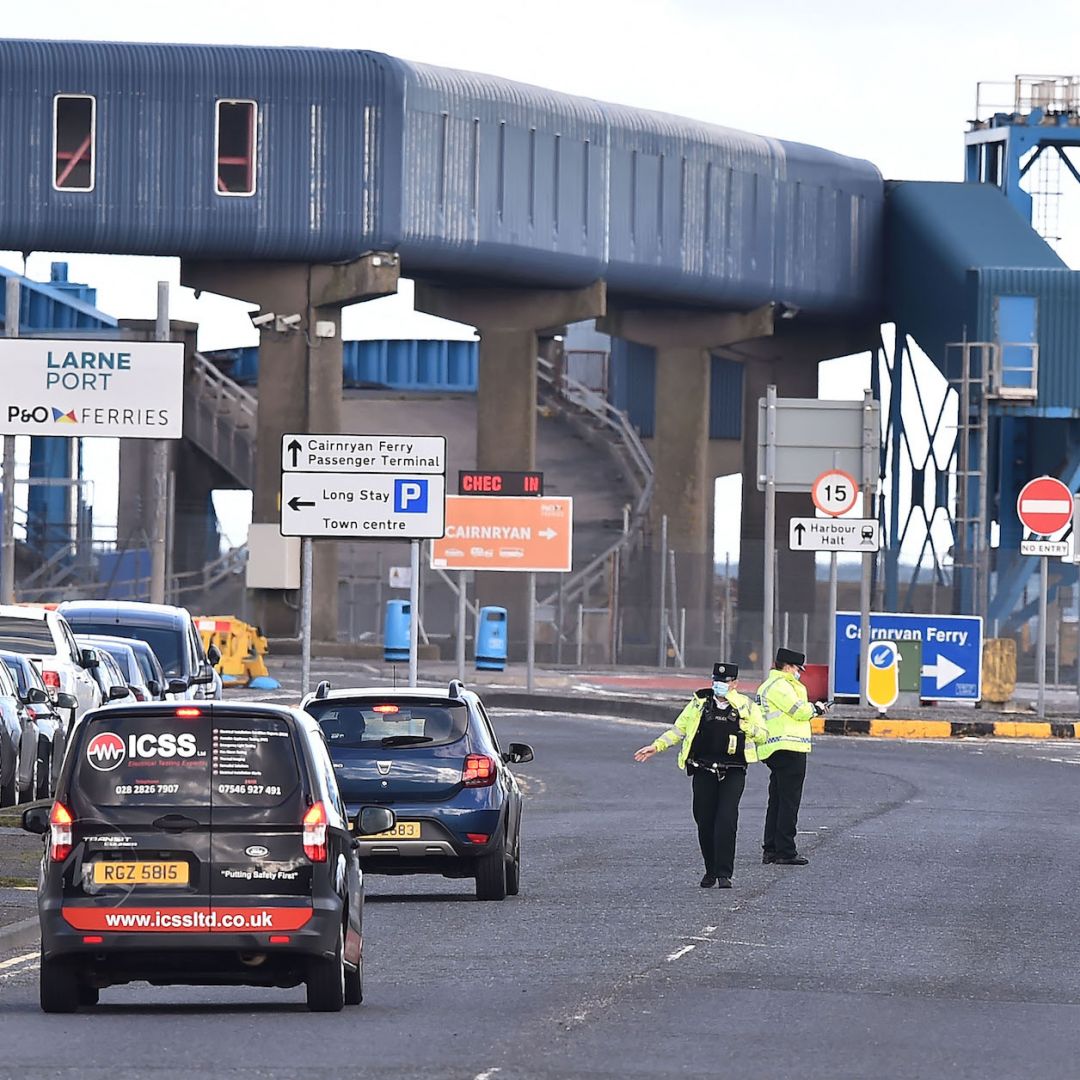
{"x": 787, "y": 713}
{"x": 689, "y": 720}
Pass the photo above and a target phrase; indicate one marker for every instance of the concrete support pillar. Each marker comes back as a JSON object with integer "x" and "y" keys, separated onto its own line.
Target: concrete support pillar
{"x": 300, "y": 387}
{"x": 509, "y": 323}
{"x": 684, "y": 341}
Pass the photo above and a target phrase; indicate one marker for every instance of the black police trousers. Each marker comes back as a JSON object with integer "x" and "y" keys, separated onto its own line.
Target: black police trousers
{"x": 787, "y": 771}
{"x": 716, "y": 811}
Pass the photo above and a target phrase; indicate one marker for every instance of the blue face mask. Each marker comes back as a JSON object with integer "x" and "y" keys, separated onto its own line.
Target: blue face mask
{"x": 720, "y": 688}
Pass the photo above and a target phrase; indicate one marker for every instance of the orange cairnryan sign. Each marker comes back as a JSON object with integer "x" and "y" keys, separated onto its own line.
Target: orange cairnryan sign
{"x": 486, "y": 532}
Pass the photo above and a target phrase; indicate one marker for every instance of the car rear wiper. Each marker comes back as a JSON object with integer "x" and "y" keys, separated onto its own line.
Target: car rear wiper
{"x": 405, "y": 740}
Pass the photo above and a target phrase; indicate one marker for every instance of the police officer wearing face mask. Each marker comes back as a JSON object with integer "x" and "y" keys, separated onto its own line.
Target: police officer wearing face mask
{"x": 719, "y": 731}
{"x": 788, "y": 713}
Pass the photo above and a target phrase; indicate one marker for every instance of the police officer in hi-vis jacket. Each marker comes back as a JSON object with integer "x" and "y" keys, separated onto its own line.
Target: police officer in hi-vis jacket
{"x": 719, "y": 731}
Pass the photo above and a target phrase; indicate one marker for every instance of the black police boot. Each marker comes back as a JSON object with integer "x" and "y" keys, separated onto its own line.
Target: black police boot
{"x": 724, "y": 883}
{"x": 708, "y": 881}
{"x": 768, "y": 857}
{"x": 797, "y": 860}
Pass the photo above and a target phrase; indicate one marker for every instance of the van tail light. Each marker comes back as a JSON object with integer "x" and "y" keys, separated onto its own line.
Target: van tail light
{"x": 479, "y": 771}
{"x": 315, "y": 822}
{"x": 51, "y": 679}
{"x": 60, "y": 822}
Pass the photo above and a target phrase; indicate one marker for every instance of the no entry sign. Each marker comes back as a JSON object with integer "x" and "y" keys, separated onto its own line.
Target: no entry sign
{"x": 1044, "y": 506}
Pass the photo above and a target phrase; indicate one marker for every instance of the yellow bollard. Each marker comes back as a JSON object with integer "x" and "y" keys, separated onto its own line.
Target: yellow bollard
{"x": 998, "y": 670}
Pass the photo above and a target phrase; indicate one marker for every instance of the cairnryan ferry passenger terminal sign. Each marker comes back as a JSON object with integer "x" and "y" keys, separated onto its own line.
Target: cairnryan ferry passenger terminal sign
{"x": 112, "y": 389}
{"x": 425, "y": 454}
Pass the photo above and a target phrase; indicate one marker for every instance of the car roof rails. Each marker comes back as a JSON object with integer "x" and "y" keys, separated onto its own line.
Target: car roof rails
{"x": 457, "y": 689}
{"x": 323, "y": 689}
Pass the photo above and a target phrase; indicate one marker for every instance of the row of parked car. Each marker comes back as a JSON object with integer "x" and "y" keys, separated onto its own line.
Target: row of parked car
{"x": 59, "y": 662}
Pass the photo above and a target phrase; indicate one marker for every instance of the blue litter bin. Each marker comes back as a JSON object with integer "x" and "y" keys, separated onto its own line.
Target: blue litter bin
{"x": 491, "y": 639}
{"x": 396, "y": 631}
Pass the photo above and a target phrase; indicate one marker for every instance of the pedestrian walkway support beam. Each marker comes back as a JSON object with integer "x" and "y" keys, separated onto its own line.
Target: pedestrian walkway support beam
{"x": 510, "y": 324}
{"x": 300, "y": 385}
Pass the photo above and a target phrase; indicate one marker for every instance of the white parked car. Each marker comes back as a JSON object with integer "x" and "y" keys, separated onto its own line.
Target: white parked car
{"x": 46, "y": 639}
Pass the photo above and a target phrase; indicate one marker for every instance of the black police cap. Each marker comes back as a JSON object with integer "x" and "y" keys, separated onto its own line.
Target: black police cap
{"x": 725, "y": 672}
{"x": 790, "y": 656}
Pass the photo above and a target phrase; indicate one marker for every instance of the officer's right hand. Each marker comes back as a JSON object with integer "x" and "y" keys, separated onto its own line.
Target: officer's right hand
{"x": 645, "y": 753}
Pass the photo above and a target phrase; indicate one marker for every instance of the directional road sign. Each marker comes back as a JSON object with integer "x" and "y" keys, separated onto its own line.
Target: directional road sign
{"x": 402, "y": 455}
{"x": 834, "y": 492}
{"x": 951, "y": 651}
{"x": 884, "y": 686}
{"x": 834, "y": 534}
{"x": 484, "y": 533}
{"x": 362, "y": 507}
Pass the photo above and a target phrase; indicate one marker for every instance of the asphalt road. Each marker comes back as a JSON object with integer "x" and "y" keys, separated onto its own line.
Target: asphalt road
{"x": 933, "y": 935}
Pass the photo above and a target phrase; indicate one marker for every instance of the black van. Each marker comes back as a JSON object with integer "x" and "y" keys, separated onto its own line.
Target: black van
{"x": 200, "y": 843}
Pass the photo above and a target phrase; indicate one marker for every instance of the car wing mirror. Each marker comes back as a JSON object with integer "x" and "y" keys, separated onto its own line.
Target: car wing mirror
{"x": 118, "y": 692}
{"x": 36, "y": 820}
{"x": 36, "y": 696}
{"x": 88, "y": 659}
{"x": 213, "y": 654}
{"x": 375, "y": 819}
{"x": 154, "y": 687}
{"x": 518, "y": 753}
{"x": 66, "y": 701}
{"x": 177, "y": 686}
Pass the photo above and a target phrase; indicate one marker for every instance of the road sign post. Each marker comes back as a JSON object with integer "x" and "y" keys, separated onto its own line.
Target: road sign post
{"x": 1045, "y": 507}
{"x": 305, "y": 615}
{"x": 870, "y": 440}
{"x": 363, "y": 487}
{"x": 769, "y": 583}
{"x": 7, "y": 541}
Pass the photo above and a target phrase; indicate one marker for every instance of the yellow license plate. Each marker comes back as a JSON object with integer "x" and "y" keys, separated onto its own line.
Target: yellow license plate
{"x": 158, "y": 872}
{"x": 403, "y": 830}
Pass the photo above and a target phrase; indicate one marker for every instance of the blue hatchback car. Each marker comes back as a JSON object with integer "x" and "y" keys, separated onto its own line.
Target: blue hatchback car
{"x": 432, "y": 756}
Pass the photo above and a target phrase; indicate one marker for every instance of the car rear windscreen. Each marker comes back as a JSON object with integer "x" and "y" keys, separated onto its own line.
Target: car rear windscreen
{"x": 173, "y": 760}
{"x": 18, "y": 671}
{"x": 166, "y": 641}
{"x": 377, "y": 723}
{"x": 28, "y": 637}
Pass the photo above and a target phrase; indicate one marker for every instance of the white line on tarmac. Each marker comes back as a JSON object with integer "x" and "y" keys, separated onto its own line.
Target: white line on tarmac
{"x": 16, "y": 965}
{"x": 487, "y": 1074}
{"x": 15, "y": 960}
{"x": 680, "y": 952}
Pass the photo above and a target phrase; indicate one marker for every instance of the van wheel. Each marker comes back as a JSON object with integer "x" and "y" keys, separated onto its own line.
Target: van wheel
{"x": 491, "y": 875}
{"x": 513, "y": 873}
{"x": 326, "y": 980}
{"x": 354, "y": 984}
{"x": 58, "y": 987}
{"x": 43, "y": 771}
{"x": 88, "y": 995}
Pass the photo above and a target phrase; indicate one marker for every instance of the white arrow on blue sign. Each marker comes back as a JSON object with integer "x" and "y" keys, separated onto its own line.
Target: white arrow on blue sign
{"x": 951, "y": 651}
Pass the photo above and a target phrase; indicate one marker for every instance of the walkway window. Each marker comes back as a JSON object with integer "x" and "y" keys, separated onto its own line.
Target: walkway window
{"x": 74, "y": 137}
{"x": 234, "y": 147}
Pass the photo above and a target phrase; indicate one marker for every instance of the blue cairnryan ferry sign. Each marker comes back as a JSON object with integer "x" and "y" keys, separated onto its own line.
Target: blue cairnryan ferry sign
{"x": 951, "y": 651}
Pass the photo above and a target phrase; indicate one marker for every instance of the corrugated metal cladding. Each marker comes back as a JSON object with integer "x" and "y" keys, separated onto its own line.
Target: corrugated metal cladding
{"x": 464, "y": 174}
{"x": 935, "y": 234}
{"x": 1057, "y": 293}
{"x": 632, "y": 388}
{"x": 324, "y": 150}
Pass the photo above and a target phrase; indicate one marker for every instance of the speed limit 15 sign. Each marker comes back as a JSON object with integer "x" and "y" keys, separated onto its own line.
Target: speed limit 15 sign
{"x": 834, "y": 492}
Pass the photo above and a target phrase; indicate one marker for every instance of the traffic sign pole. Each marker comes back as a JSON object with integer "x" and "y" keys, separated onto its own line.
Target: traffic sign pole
{"x": 414, "y": 611}
{"x": 7, "y": 541}
{"x": 305, "y": 615}
{"x": 530, "y": 634}
{"x": 160, "y": 469}
{"x": 769, "y": 585}
{"x": 1044, "y": 584}
{"x": 869, "y": 446}
{"x": 462, "y": 615}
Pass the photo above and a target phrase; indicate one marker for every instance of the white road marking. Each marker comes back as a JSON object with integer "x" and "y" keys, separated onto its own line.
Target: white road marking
{"x": 487, "y": 1074}
{"x": 680, "y": 952}
{"x": 15, "y": 960}
{"x": 751, "y": 944}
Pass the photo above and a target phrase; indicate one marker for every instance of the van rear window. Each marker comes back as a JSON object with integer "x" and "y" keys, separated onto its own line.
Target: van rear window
{"x": 135, "y": 760}
{"x": 28, "y": 637}
{"x": 145, "y": 761}
{"x": 254, "y": 761}
{"x": 388, "y": 723}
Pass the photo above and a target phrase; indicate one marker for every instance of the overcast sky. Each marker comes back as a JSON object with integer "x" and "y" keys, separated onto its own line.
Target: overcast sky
{"x": 891, "y": 83}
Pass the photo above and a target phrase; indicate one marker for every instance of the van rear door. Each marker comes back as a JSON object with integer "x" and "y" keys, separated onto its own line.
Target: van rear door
{"x": 259, "y": 869}
{"x": 139, "y": 793}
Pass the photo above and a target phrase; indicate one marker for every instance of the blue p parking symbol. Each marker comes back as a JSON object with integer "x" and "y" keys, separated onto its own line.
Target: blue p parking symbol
{"x": 410, "y": 496}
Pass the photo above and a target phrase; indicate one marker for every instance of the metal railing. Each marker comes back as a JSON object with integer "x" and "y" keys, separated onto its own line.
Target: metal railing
{"x": 1053, "y": 94}
{"x": 578, "y": 403}
{"x": 220, "y": 419}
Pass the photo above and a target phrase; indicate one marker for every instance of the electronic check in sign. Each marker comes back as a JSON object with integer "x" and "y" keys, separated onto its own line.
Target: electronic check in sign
{"x": 500, "y": 482}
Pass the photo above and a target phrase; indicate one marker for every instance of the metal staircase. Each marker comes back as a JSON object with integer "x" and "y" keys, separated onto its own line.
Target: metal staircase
{"x": 219, "y": 418}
